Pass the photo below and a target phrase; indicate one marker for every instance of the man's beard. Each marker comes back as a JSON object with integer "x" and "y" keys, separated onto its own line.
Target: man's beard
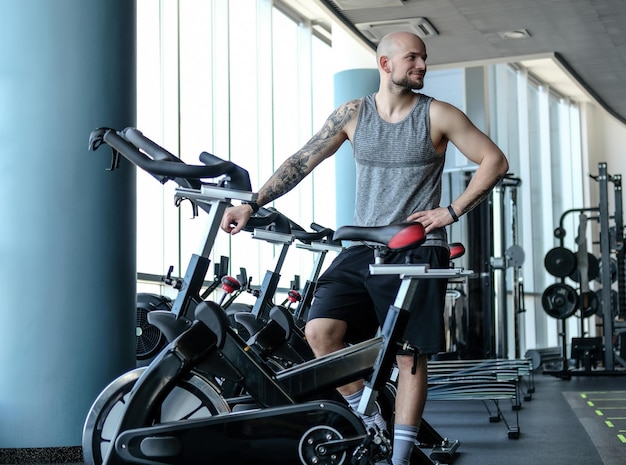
{"x": 408, "y": 84}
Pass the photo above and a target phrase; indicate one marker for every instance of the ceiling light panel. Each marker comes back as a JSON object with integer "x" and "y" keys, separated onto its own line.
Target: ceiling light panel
{"x": 376, "y": 30}
{"x": 361, "y": 4}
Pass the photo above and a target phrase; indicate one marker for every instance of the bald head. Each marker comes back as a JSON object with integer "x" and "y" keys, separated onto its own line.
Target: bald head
{"x": 401, "y": 58}
{"x": 395, "y": 42}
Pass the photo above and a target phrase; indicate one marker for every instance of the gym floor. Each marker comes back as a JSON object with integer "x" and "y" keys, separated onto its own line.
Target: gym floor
{"x": 580, "y": 421}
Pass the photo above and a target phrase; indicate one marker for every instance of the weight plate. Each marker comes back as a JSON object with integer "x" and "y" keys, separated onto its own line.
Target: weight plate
{"x": 593, "y": 269}
{"x": 559, "y": 301}
{"x": 588, "y": 303}
{"x": 614, "y": 303}
{"x": 515, "y": 256}
{"x": 560, "y": 262}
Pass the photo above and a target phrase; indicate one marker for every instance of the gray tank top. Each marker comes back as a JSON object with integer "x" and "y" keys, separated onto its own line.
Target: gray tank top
{"x": 398, "y": 171}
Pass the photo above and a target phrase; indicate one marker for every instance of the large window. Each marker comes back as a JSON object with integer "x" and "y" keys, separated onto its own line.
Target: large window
{"x": 540, "y": 133}
{"x": 247, "y": 85}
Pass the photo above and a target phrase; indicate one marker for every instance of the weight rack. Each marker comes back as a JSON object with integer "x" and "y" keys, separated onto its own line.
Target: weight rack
{"x": 611, "y": 241}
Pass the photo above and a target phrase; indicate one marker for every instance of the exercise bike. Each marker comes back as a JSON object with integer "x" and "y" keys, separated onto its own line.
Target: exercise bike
{"x": 195, "y": 396}
{"x": 323, "y": 429}
{"x": 289, "y": 430}
{"x": 274, "y": 327}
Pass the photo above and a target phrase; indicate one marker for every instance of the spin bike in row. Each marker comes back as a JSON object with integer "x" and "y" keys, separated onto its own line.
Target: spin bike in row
{"x": 191, "y": 397}
{"x": 233, "y": 181}
{"x": 296, "y": 419}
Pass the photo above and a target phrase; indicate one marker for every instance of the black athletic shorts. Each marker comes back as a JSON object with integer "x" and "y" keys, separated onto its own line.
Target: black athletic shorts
{"x": 346, "y": 291}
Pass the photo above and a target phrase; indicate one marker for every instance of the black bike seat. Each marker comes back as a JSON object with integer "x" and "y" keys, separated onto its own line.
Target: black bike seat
{"x": 396, "y": 237}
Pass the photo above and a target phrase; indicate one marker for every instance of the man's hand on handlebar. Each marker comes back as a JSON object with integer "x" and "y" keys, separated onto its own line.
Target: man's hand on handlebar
{"x": 235, "y": 218}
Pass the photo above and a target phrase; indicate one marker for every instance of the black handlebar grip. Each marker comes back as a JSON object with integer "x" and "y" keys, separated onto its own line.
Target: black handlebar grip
{"x": 159, "y": 162}
{"x": 135, "y": 137}
{"x": 239, "y": 178}
{"x": 259, "y": 221}
{"x": 328, "y": 233}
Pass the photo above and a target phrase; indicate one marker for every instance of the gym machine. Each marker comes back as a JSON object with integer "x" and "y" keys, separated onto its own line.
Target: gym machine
{"x": 562, "y": 301}
{"x": 493, "y": 228}
{"x": 150, "y": 339}
{"x": 509, "y": 257}
{"x": 298, "y": 420}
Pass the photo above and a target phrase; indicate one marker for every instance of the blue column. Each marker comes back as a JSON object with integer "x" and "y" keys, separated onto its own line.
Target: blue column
{"x": 67, "y": 226}
{"x": 349, "y": 85}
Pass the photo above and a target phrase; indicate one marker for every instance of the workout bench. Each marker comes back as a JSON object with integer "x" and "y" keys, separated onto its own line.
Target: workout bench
{"x": 489, "y": 381}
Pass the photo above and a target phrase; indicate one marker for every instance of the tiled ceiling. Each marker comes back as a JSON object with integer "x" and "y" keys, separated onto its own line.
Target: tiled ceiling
{"x": 586, "y": 38}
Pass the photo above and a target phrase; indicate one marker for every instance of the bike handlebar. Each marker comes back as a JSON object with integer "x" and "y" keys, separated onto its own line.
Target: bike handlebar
{"x": 272, "y": 220}
{"x": 328, "y": 233}
{"x": 154, "y": 159}
{"x": 308, "y": 237}
{"x": 165, "y": 166}
{"x": 304, "y": 236}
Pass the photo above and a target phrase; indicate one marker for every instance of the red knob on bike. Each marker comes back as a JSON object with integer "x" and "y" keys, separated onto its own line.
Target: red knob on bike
{"x": 456, "y": 250}
{"x": 230, "y": 284}
{"x": 294, "y": 296}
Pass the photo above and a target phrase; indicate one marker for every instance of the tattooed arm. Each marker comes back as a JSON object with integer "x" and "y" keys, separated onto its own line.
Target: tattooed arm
{"x": 336, "y": 130}
{"x": 322, "y": 145}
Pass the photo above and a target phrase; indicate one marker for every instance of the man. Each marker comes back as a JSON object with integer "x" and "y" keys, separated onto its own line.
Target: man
{"x": 399, "y": 139}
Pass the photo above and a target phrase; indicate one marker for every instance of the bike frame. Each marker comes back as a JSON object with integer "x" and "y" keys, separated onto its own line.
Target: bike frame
{"x": 210, "y": 345}
{"x": 294, "y": 403}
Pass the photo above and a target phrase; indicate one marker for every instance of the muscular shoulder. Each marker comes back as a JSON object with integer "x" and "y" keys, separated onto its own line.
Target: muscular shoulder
{"x": 346, "y": 115}
{"x": 444, "y": 115}
{"x": 342, "y": 121}
{"x": 449, "y": 123}
{"x": 348, "y": 112}
{"x": 338, "y": 127}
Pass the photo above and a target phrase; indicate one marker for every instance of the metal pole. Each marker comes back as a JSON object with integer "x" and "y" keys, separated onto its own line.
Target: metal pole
{"x": 605, "y": 253}
{"x": 517, "y": 288}
{"x": 499, "y": 280}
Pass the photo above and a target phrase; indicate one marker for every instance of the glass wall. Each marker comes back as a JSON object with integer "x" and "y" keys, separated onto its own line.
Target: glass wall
{"x": 250, "y": 87}
{"x": 540, "y": 133}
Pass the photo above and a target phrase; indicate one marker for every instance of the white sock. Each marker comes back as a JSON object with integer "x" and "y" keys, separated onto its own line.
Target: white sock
{"x": 404, "y": 438}
{"x": 371, "y": 421}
